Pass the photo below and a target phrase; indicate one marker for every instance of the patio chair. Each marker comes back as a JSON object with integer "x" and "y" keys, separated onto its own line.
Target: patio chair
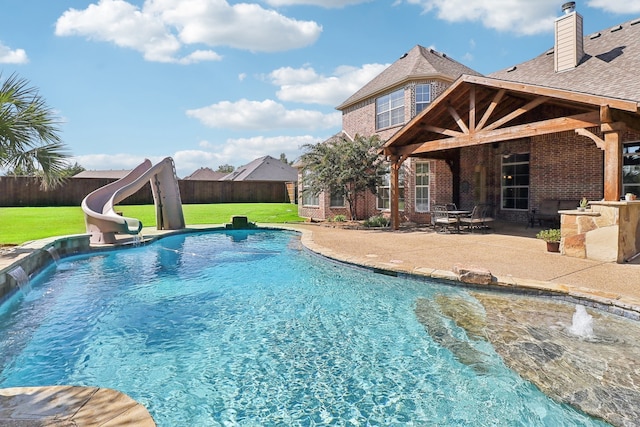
{"x": 481, "y": 216}
{"x": 443, "y": 222}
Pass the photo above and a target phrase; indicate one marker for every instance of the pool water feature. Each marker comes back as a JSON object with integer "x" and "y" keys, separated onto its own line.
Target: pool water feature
{"x": 246, "y": 328}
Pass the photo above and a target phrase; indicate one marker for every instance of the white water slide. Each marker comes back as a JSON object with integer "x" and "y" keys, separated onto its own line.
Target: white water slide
{"x": 103, "y": 222}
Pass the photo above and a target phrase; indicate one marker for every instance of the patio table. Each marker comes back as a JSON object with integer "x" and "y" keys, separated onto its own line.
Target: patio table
{"x": 457, "y": 214}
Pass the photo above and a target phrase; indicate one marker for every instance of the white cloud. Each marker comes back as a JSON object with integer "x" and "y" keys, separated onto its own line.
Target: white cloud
{"x": 306, "y": 86}
{"x": 616, "y": 6}
{"x": 523, "y": 17}
{"x": 12, "y": 56}
{"x": 322, "y": 3}
{"x": 262, "y": 115}
{"x": 161, "y": 29}
{"x": 238, "y": 152}
{"x": 111, "y": 161}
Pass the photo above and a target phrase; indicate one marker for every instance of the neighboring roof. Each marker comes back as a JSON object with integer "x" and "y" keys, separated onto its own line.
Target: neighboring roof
{"x": 206, "y": 174}
{"x": 264, "y": 169}
{"x": 110, "y": 174}
{"x": 609, "y": 68}
{"x": 419, "y": 63}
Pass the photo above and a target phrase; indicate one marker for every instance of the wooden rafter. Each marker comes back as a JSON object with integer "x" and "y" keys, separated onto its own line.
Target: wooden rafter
{"x": 472, "y": 109}
{"x": 442, "y": 131}
{"x": 463, "y": 127}
{"x": 561, "y": 124}
{"x": 494, "y": 103}
{"x": 520, "y": 111}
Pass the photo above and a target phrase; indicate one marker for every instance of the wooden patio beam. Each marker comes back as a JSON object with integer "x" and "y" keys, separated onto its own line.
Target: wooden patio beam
{"x": 472, "y": 109}
{"x": 561, "y": 124}
{"x": 442, "y": 131}
{"x": 516, "y": 113}
{"x": 463, "y": 127}
{"x": 494, "y": 103}
{"x": 595, "y": 138}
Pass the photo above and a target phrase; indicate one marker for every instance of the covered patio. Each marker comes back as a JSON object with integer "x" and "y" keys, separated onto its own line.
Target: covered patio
{"x": 572, "y": 141}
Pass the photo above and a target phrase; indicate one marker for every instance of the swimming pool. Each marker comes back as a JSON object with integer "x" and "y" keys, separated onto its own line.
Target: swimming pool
{"x": 246, "y": 328}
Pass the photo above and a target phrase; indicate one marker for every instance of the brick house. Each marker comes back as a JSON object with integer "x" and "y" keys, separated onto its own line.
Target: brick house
{"x": 382, "y": 107}
{"x": 562, "y": 126}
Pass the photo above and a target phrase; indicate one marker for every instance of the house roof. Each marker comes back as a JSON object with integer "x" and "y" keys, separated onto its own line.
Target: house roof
{"x": 499, "y": 110}
{"x": 110, "y": 174}
{"x": 419, "y": 63}
{"x": 205, "y": 174}
{"x": 264, "y": 168}
{"x": 609, "y": 68}
{"x": 532, "y": 99}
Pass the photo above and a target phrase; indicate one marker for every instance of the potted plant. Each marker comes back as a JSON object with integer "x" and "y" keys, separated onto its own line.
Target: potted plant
{"x": 583, "y": 204}
{"x": 552, "y": 237}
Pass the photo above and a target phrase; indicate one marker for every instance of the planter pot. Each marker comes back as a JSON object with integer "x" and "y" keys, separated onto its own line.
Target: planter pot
{"x": 553, "y": 246}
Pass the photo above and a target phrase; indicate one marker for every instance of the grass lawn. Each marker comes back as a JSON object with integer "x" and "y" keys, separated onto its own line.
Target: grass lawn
{"x": 19, "y": 225}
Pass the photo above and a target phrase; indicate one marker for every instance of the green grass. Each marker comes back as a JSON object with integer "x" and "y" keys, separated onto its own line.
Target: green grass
{"x": 19, "y": 225}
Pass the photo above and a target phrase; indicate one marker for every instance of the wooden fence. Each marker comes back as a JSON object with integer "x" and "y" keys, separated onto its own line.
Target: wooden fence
{"x": 25, "y": 191}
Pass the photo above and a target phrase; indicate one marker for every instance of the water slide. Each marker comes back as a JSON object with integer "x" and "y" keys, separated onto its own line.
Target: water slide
{"x": 103, "y": 222}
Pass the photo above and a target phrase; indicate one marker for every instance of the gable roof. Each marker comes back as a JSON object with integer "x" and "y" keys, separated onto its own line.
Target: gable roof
{"x": 264, "y": 169}
{"x": 419, "y": 63}
{"x": 206, "y": 174}
{"x": 609, "y": 68}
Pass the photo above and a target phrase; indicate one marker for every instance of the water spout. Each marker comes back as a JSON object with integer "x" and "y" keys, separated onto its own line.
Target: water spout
{"x": 21, "y": 278}
{"x": 582, "y": 324}
{"x": 54, "y": 254}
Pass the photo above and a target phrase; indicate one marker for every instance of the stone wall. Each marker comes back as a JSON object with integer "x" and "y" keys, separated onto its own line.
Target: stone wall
{"x": 609, "y": 232}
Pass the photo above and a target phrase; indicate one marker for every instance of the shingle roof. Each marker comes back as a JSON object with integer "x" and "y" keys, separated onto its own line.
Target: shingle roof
{"x": 609, "y": 68}
{"x": 419, "y": 62}
{"x": 264, "y": 169}
{"x": 110, "y": 174}
{"x": 205, "y": 174}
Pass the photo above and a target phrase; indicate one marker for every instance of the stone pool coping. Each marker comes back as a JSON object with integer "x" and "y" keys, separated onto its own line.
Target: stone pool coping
{"x": 85, "y": 406}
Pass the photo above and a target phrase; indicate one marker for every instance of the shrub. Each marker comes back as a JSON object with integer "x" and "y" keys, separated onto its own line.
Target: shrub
{"x": 376, "y": 221}
{"x": 339, "y": 218}
{"x": 551, "y": 235}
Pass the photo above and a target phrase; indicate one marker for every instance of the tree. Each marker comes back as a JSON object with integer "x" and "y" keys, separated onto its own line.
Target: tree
{"x": 29, "y": 140}
{"x": 71, "y": 170}
{"x": 226, "y": 168}
{"x": 342, "y": 166}
{"x": 283, "y": 159}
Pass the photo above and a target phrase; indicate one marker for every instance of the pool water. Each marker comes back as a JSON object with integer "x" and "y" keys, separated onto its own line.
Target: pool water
{"x": 247, "y": 328}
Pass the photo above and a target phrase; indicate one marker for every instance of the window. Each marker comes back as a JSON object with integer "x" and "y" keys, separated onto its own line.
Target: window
{"x": 423, "y": 97}
{"x": 390, "y": 109}
{"x": 631, "y": 168}
{"x": 384, "y": 192}
{"x": 308, "y": 198}
{"x": 422, "y": 187}
{"x": 515, "y": 181}
{"x": 337, "y": 199}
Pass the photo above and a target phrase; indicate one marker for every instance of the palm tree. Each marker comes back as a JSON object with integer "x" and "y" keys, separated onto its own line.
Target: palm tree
{"x": 29, "y": 140}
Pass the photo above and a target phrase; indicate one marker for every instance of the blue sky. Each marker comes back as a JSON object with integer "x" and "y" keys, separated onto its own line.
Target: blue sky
{"x": 212, "y": 82}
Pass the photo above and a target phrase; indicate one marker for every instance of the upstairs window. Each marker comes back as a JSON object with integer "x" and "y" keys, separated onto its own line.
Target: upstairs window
{"x": 390, "y": 109}
{"x": 423, "y": 97}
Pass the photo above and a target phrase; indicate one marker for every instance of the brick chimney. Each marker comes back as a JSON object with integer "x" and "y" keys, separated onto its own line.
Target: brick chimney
{"x": 569, "y": 48}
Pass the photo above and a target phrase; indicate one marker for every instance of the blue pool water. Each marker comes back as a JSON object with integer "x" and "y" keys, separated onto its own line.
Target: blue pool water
{"x": 246, "y": 328}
